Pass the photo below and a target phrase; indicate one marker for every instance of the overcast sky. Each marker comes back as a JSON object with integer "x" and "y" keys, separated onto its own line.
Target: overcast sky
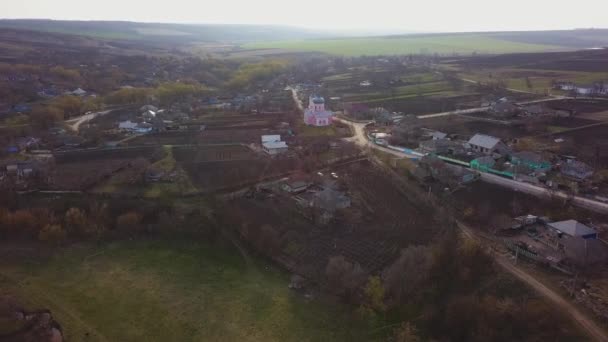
{"x": 400, "y": 15}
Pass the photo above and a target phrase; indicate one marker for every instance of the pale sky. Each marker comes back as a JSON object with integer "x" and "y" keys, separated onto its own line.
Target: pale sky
{"x": 405, "y": 15}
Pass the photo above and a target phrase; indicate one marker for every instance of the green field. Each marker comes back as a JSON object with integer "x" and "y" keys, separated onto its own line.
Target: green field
{"x": 441, "y": 44}
{"x": 173, "y": 291}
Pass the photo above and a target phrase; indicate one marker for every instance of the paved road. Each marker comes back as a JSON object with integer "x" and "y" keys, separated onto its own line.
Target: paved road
{"x": 360, "y": 139}
{"x": 538, "y": 191}
{"x": 588, "y": 325}
{"x": 454, "y": 112}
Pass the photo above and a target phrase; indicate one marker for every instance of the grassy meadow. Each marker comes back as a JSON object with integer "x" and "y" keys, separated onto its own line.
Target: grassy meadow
{"x": 173, "y": 291}
{"x": 428, "y": 44}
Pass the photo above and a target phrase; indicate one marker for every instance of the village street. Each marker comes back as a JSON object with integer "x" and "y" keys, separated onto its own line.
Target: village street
{"x": 360, "y": 139}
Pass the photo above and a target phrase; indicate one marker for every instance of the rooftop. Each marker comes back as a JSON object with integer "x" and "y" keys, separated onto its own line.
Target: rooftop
{"x": 573, "y": 228}
{"x": 318, "y": 100}
{"x": 274, "y": 144}
{"x": 271, "y": 138}
{"x": 485, "y": 141}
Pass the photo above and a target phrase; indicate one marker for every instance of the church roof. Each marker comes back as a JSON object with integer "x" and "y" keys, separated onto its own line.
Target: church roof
{"x": 318, "y": 100}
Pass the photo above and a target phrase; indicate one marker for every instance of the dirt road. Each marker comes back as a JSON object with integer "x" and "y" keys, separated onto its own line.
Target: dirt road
{"x": 361, "y": 140}
{"x": 588, "y": 325}
{"x": 76, "y": 122}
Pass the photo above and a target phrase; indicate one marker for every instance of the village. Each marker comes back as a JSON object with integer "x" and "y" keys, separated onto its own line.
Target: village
{"x": 305, "y": 162}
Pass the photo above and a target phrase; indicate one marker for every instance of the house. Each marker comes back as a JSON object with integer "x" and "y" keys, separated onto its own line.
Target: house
{"x": 574, "y": 228}
{"x": 22, "y": 144}
{"x": 534, "y": 110}
{"x": 153, "y": 174}
{"x": 22, "y": 108}
{"x": 578, "y": 242}
{"x": 275, "y": 147}
{"x": 437, "y": 135}
{"x": 143, "y": 128}
{"x": 530, "y": 159}
{"x": 147, "y": 108}
{"x": 21, "y": 169}
{"x": 330, "y": 200}
{"x": 435, "y": 146}
{"x": 295, "y": 187}
{"x": 365, "y": 83}
{"x": 149, "y": 114}
{"x": 382, "y": 116}
{"x": 127, "y": 125}
{"x": 270, "y": 138}
{"x": 78, "y": 92}
{"x": 461, "y": 174}
{"x": 576, "y": 169}
{"x": 488, "y": 145}
{"x": 316, "y": 114}
{"x": 48, "y": 93}
{"x": 504, "y": 109}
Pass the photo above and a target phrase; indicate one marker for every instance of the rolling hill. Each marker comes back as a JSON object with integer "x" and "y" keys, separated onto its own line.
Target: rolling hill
{"x": 158, "y": 31}
{"x": 447, "y": 43}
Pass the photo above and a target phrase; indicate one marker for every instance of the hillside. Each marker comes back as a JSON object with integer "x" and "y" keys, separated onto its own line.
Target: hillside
{"x": 448, "y": 43}
{"x": 158, "y": 31}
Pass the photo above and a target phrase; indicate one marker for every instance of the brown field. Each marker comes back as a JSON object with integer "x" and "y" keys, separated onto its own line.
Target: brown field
{"x": 83, "y": 169}
{"x": 213, "y": 153}
{"x": 380, "y": 222}
{"x": 232, "y": 174}
{"x": 83, "y": 175}
{"x": 589, "y": 144}
{"x": 469, "y": 127}
{"x": 490, "y": 201}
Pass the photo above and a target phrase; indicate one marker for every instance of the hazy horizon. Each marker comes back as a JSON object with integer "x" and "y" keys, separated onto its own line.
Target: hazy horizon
{"x": 383, "y": 16}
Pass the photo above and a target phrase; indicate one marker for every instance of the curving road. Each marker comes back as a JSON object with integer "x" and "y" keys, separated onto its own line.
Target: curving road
{"x": 76, "y": 122}
{"x": 588, "y": 325}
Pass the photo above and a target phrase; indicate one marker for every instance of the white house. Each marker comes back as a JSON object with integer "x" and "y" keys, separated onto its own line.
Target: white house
{"x": 135, "y": 127}
{"x": 271, "y": 138}
{"x": 79, "y": 92}
{"x": 127, "y": 125}
{"x": 273, "y": 145}
{"x": 488, "y": 145}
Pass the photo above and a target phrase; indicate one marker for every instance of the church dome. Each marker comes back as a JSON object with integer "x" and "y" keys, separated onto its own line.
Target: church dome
{"x": 318, "y": 100}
